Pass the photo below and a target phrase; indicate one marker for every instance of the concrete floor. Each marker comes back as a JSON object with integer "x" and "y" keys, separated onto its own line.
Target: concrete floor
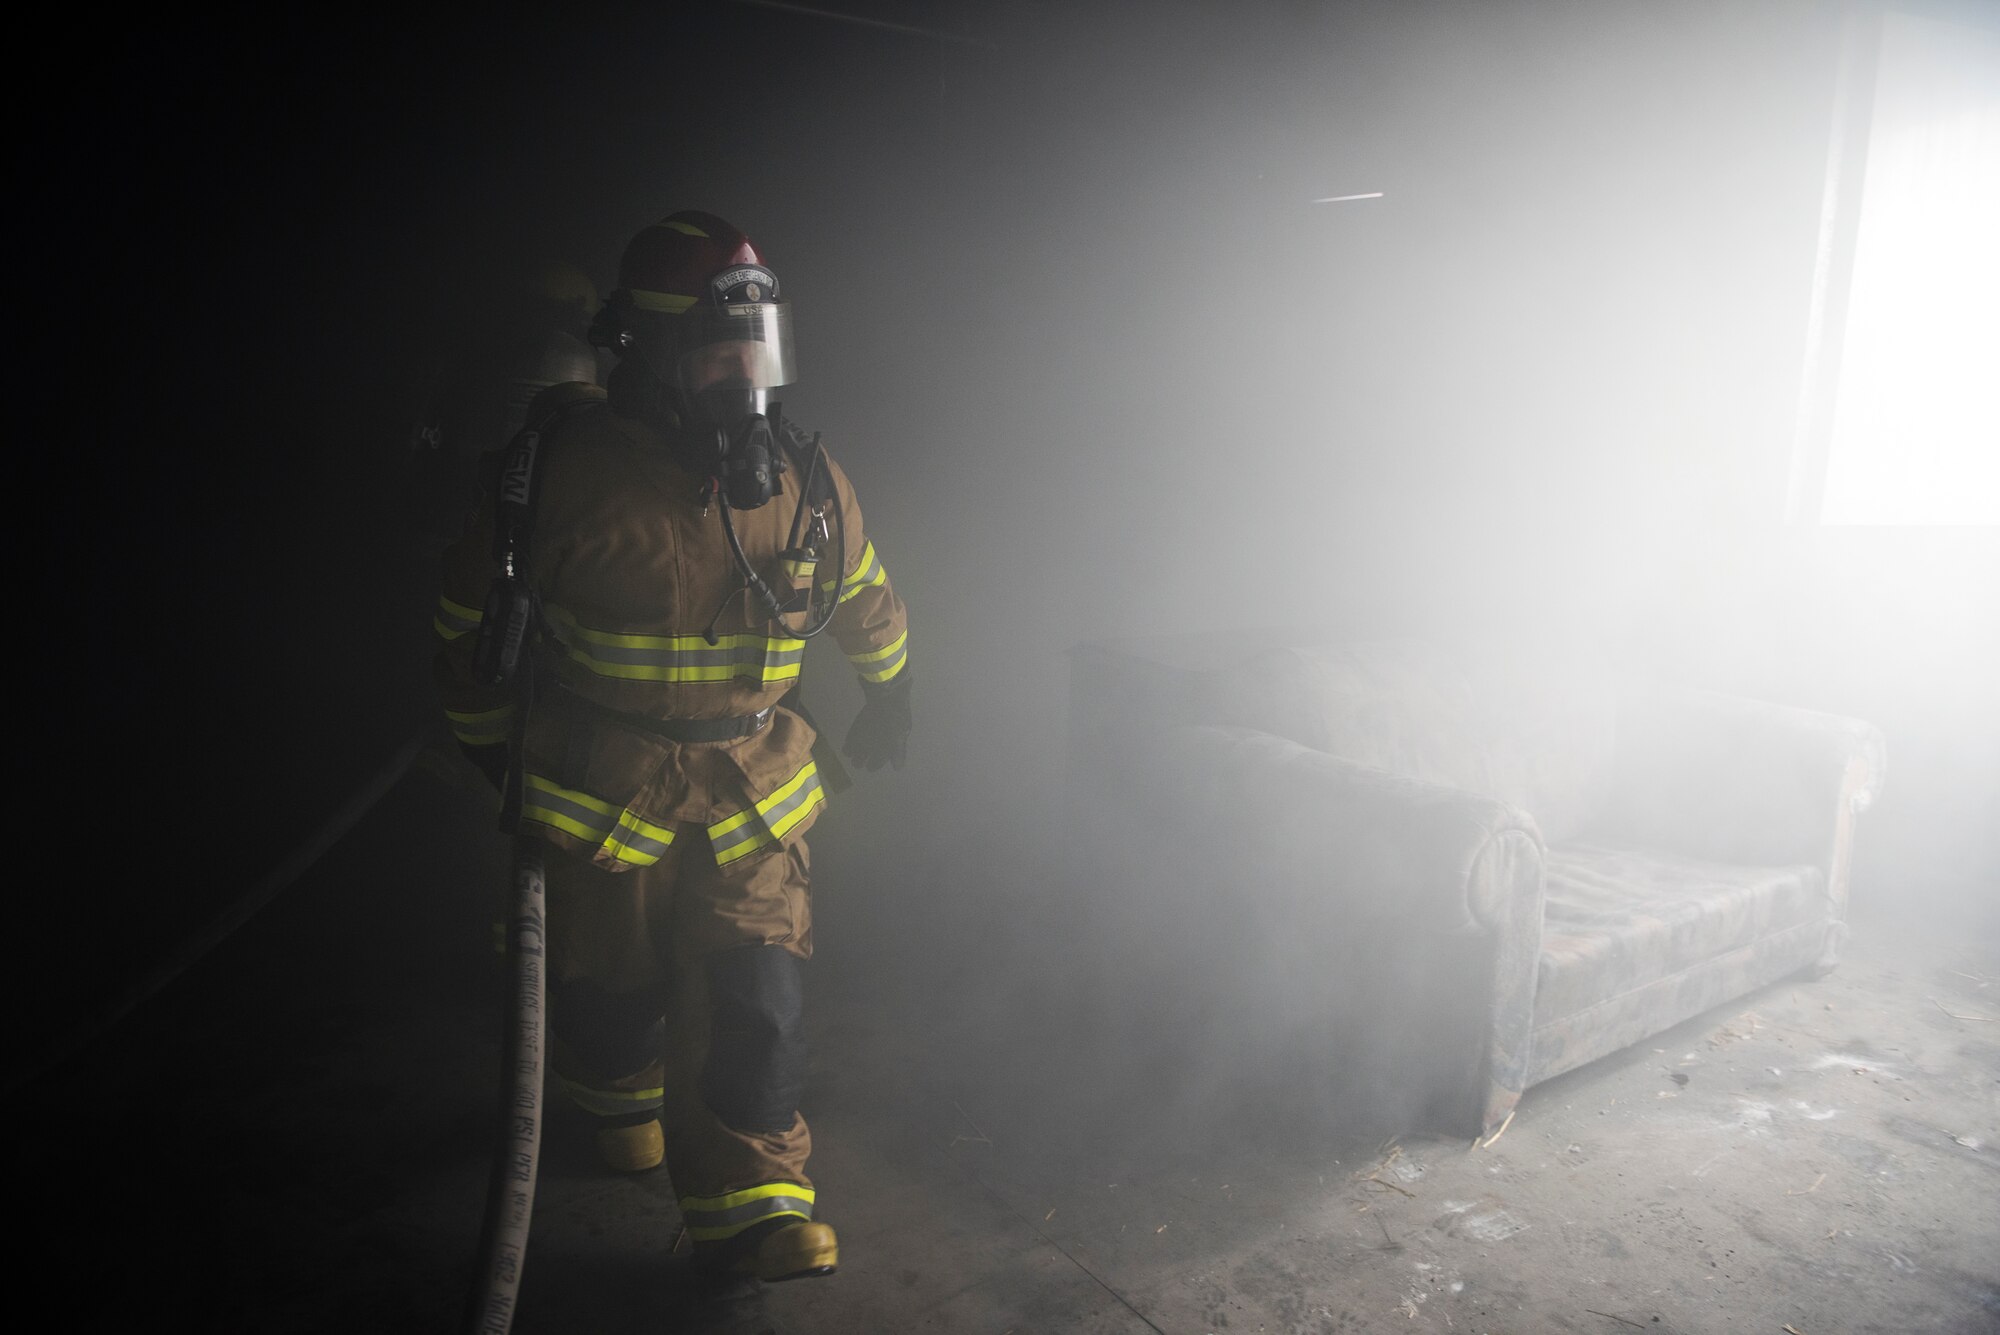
{"x": 294, "y": 1138}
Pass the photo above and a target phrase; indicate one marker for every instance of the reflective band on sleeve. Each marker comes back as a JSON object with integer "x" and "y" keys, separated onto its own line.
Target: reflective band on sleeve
{"x": 867, "y": 573}
{"x": 713, "y": 1218}
{"x": 485, "y": 729}
{"x": 611, "y": 1102}
{"x": 770, "y": 820}
{"x": 879, "y": 665}
{"x": 455, "y": 619}
{"x": 621, "y": 835}
{"x": 764, "y": 659}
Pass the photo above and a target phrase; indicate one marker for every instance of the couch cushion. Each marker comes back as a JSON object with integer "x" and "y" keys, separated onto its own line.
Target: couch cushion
{"x": 1617, "y": 919}
{"x": 1530, "y": 724}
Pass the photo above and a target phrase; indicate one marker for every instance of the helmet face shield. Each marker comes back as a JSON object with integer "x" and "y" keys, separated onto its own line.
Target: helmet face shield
{"x": 751, "y": 341}
{"x": 697, "y": 305}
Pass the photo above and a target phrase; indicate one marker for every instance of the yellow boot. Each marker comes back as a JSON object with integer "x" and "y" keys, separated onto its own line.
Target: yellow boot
{"x": 797, "y": 1249}
{"x": 632, "y": 1149}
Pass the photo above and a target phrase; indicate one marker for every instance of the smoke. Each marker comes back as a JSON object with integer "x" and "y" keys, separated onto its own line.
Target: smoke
{"x": 1544, "y": 384}
{"x": 1101, "y": 362}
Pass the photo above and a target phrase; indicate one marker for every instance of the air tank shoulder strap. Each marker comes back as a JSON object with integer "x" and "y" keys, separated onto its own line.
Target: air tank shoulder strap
{"x": 517, "y": 486}
{"x": 511, "y": 604}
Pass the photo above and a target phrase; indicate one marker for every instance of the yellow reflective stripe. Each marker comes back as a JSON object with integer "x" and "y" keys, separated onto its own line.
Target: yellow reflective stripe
{"x": 678, "y": 658}
{"x": 889, "y": 650}
{"x": 883, "y": 664}
{"x": 671, "y": 303}
{"x": 685, "y": 227}
{"x": 713, "y": 1218}
{"x": 770, "y": 820}
{"x": 482, "y": 729}
{"x": 565, "y": 809}
{"x": 855, "y": 590}
{"x": 882, "y": 675}
{"x": 747, "y": 1195}
{"x": 647, "y": 828}
{"x": 611, "y": 1102}
{"x": 701, "y": 1233}
{"x": 744, "y": 849}
{"x": 725, "y": 826}
{"x": 636, "y": 841}
{"x": 621, "y": 834}
{"x": 454, "y": 619}
{"x": 785, "y": 823}
{"x": 785, "y": 808}
{"x": 868, "y": 572}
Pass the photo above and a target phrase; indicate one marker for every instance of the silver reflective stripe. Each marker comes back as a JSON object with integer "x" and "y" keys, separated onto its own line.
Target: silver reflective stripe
{"x": 869, "y": 572}
{"x": 808, "y": 792}
{"x": 770, "y": 820}
{"x": 763, "y": 653}
{"x": 556, "y": 808}
{"x": 748, "y": 1212}
{"x": 576, "y": 811}
{"x": 632, "y": 841}
{"x": 612, "y": 1102}
{"x": 872, "y": 668}
{"x": 677, "y": 657}
{"x": 455, "y": 619}
{"x": 619, "y": 833}
{"x": 748, "y": 831}
{"x": 493, "y": 725}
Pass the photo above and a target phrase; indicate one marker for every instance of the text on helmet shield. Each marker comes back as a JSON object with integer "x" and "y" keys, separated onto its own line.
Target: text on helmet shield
{"x": 748, "y": 282}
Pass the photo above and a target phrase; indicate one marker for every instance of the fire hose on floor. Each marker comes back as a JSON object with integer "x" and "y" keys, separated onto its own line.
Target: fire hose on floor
{"x": 510, "y": 1192}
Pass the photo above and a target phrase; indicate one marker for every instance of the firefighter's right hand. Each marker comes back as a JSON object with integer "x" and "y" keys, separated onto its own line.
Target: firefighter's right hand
{"x": 880, "y": 733}
{"x": 490, "y": 761}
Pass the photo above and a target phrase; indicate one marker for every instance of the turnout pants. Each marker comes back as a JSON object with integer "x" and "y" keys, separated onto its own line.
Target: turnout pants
{"x": 674, "y": 991}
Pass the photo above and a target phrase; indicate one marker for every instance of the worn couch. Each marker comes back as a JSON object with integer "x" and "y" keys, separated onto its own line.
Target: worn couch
{"x": 1446, "y": 872}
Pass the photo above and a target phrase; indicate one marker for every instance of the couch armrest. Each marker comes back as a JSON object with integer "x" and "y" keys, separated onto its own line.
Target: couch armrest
{"x": 1374, "y": 844}
{"x": 1328, "y": 847}
{"x": 1733, "y": 779}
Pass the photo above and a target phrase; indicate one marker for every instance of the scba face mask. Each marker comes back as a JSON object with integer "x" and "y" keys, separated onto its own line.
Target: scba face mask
{"x": 733, "y": 420}
{"x": 699, "y": 318}
{"x": 738, "y": 348}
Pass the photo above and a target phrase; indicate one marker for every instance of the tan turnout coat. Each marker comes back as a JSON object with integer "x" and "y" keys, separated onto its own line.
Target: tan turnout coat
{"x": 631, "y": 563}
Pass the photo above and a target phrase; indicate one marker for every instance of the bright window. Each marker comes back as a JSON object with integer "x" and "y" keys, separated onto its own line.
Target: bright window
{"x": 1915, "y": 436}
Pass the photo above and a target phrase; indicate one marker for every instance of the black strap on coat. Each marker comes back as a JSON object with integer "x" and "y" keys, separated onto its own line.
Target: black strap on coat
{"x": 517, "y": 493}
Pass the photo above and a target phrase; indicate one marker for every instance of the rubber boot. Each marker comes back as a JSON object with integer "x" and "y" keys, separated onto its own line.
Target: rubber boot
{"x": 788, "y": 1249}
{"x": 633, "y": 1147}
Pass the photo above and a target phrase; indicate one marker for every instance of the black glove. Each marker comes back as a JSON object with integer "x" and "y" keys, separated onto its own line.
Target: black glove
{"x": 880, "y": 733}
{"x": 490, "y": 761}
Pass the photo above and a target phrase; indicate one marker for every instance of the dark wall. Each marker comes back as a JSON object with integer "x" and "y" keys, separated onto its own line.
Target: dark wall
{"x": 1094, "y": 358}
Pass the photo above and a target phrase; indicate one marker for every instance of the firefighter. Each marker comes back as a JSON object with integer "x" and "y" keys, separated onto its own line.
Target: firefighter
{"x": 532, "y": 336}
{"x": 662, "y": 754}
